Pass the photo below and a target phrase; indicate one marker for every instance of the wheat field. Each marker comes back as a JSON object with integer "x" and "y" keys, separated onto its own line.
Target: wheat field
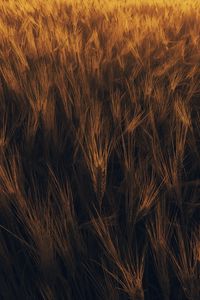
{"x": 99, "y": 150}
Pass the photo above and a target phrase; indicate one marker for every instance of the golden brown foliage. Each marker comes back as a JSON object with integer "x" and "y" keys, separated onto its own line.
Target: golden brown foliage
{"x": 99, "y": 149}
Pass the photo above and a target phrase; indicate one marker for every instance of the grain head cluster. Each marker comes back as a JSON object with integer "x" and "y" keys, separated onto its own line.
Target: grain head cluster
{"x": 99, "y": 150}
